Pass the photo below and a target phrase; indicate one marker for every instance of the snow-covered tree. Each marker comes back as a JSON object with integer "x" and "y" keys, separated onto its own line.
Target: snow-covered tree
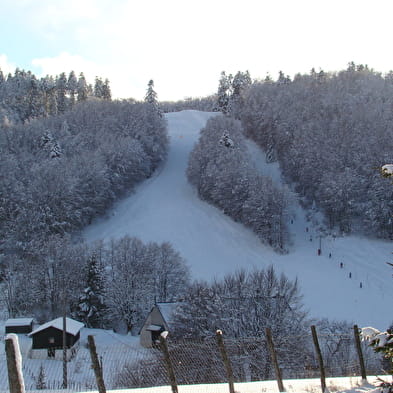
{"x": 61, "y": 90}
{"x": 91, "y": 307}
{"x": 72, "y": 87}
{"x": 381, "y": 342}
{"x": 151, "y": 97}
{"x": 224, "y": 93}
{"x": 82, "y": 90}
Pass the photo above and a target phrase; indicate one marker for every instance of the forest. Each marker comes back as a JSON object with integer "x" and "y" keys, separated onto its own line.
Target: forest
{"x": 330, "y": 133}
{"x": 69, "y": 152}
{"x": 59, "y": 169}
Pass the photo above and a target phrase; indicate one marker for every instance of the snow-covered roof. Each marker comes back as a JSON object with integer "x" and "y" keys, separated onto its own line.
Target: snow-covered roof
{"x": 167, "y": 310}
{"x": 154, "y": 328}
{"x": 18, "y": 321}
{"x": 72, "y": 326}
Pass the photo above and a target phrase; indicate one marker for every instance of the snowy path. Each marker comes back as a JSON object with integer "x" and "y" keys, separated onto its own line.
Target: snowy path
{"x": 166, "y": 208}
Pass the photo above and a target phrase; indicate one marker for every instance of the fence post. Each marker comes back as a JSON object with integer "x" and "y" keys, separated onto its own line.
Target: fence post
{"x": 96, "y": 365}
{"x": 273, "y": 356}
{"x": 225, "y": 359}
{"x": 319, "y": 356}
{"x": 360, "y": 353}
{"x": 14, "y": 364}
{"x": 168, "y": 363}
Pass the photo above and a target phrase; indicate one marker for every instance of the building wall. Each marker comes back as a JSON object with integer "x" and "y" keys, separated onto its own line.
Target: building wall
{"x": 43, "y": 353}
{"x": 154, "y": 318}
{"x": 22, "y": 329}
{"x": 41, "y": 340}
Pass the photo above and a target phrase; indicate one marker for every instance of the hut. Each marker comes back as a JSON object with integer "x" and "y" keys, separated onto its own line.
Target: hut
{"x": 158, "y": 320}
{"x": 48, "y": 339}
{"x": 19, "y": 325}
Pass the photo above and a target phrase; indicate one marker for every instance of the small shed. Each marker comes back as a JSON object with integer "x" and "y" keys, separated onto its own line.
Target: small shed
{"x": 158, "y": 320}
{"x": 19, "y": 325}
{"x": 48, "y": 339}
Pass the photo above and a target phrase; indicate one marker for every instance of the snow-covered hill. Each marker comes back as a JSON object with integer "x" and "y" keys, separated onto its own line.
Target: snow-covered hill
{"x": 166, "y": 208}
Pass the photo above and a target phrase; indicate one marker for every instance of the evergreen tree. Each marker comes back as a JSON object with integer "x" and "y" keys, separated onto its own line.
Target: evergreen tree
{"x": 151, "y": 97}
{"x": 106, "y": 91}
{"x": 82, "y": 91}
{"x": 61, "y": 90}
{"x": 72, "y": 87}
{"x": 98, "y": 88}
{"x": 223, "y": 93}
{"x": 91, "y": 307}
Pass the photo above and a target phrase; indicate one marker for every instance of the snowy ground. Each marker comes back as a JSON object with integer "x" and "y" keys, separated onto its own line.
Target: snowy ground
{"x": 334, "y": 385}
{"x": 166, "y": 208}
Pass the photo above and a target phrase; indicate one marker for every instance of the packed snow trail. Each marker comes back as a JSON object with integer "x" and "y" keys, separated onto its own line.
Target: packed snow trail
{"x": 167, "y": 208}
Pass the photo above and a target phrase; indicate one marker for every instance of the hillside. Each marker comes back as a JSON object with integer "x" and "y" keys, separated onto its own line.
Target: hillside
{"x": 166, "y": 208}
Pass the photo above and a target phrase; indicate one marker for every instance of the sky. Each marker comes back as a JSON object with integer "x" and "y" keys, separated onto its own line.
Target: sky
{"x": 183, "y": 45}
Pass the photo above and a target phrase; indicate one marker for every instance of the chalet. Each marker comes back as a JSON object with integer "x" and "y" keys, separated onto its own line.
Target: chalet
{"x": 48, "y": 339}
{"x": 19, "y": 325}
{"x": 158, "y": 320}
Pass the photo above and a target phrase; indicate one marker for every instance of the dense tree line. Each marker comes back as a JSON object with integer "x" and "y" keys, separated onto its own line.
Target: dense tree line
{"x": 111, "y": 284}
{"x": 330, "y": 133}
{"x": 23, "y": 96}
{"x": 206, "y": 104}
{"x": 220, "y": 169}
{"x": 58, "y": 173}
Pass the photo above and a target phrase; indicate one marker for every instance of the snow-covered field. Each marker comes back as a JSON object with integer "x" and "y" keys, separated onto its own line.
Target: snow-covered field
{"x": 166, "y": 208}
{"x": 333, "y": 385}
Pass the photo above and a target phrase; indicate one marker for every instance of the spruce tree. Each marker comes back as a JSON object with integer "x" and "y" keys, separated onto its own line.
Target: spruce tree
{"x": 98, "y": 88}
{"x": 91, "y": 305}
{"x": 223, "y": 93}
{"x": 82, "y": 91}
{"x": 72, "y": 87}
{"x": 61, "y": 89}
{"x": 151, "y": 97}
{"x": 106, "y": 91}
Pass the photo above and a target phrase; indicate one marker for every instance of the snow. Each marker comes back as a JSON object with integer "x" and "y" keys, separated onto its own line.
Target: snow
{"x": 387, "y": 170}
{"x": 72, "y": 326}
{"x": 18, "y": 321}
{"x": 18, "y": 358}
{"x": 334, "y": 385}
{"x": 167, "y": 208}
{"x": 167, "y": 311}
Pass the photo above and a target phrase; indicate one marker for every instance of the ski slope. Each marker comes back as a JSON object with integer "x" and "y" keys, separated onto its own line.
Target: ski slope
{"x": 166, "y": 208}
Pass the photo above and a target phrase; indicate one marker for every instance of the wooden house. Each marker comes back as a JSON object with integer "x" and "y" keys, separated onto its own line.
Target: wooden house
{"x": 158, "y": 320}
{"x": 19, "y": 325}
{"x": 48, "y": 339}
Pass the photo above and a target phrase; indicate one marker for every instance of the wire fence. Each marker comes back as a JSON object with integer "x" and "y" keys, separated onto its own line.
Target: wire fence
{"x": 197, "y": 362}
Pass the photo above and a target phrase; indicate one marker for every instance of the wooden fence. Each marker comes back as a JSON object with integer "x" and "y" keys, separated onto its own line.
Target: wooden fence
{"x": 222, "y": 353}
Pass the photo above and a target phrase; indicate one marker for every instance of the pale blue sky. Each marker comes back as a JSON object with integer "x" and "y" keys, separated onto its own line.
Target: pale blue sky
{"x": 184, "y": 45}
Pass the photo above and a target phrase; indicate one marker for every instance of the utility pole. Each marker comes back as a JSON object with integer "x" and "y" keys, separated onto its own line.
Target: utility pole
{"x": 64, "y": 341}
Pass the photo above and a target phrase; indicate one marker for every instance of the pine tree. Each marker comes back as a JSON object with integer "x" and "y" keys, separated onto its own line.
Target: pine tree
{"x": 223, "y": 93}
{"x": 72, "y": 87}
{"x": 151, "y": 97}
{"x": 91, "y": 303}
{"x": 106, "y": 91}
{"x": 61, "y": 89}
{"x": 98, "y": 88}
{"x": 82, "y": 91}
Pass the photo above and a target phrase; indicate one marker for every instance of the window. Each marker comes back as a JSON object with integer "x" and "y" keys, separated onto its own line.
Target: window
{"x": 51, "y": 340}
